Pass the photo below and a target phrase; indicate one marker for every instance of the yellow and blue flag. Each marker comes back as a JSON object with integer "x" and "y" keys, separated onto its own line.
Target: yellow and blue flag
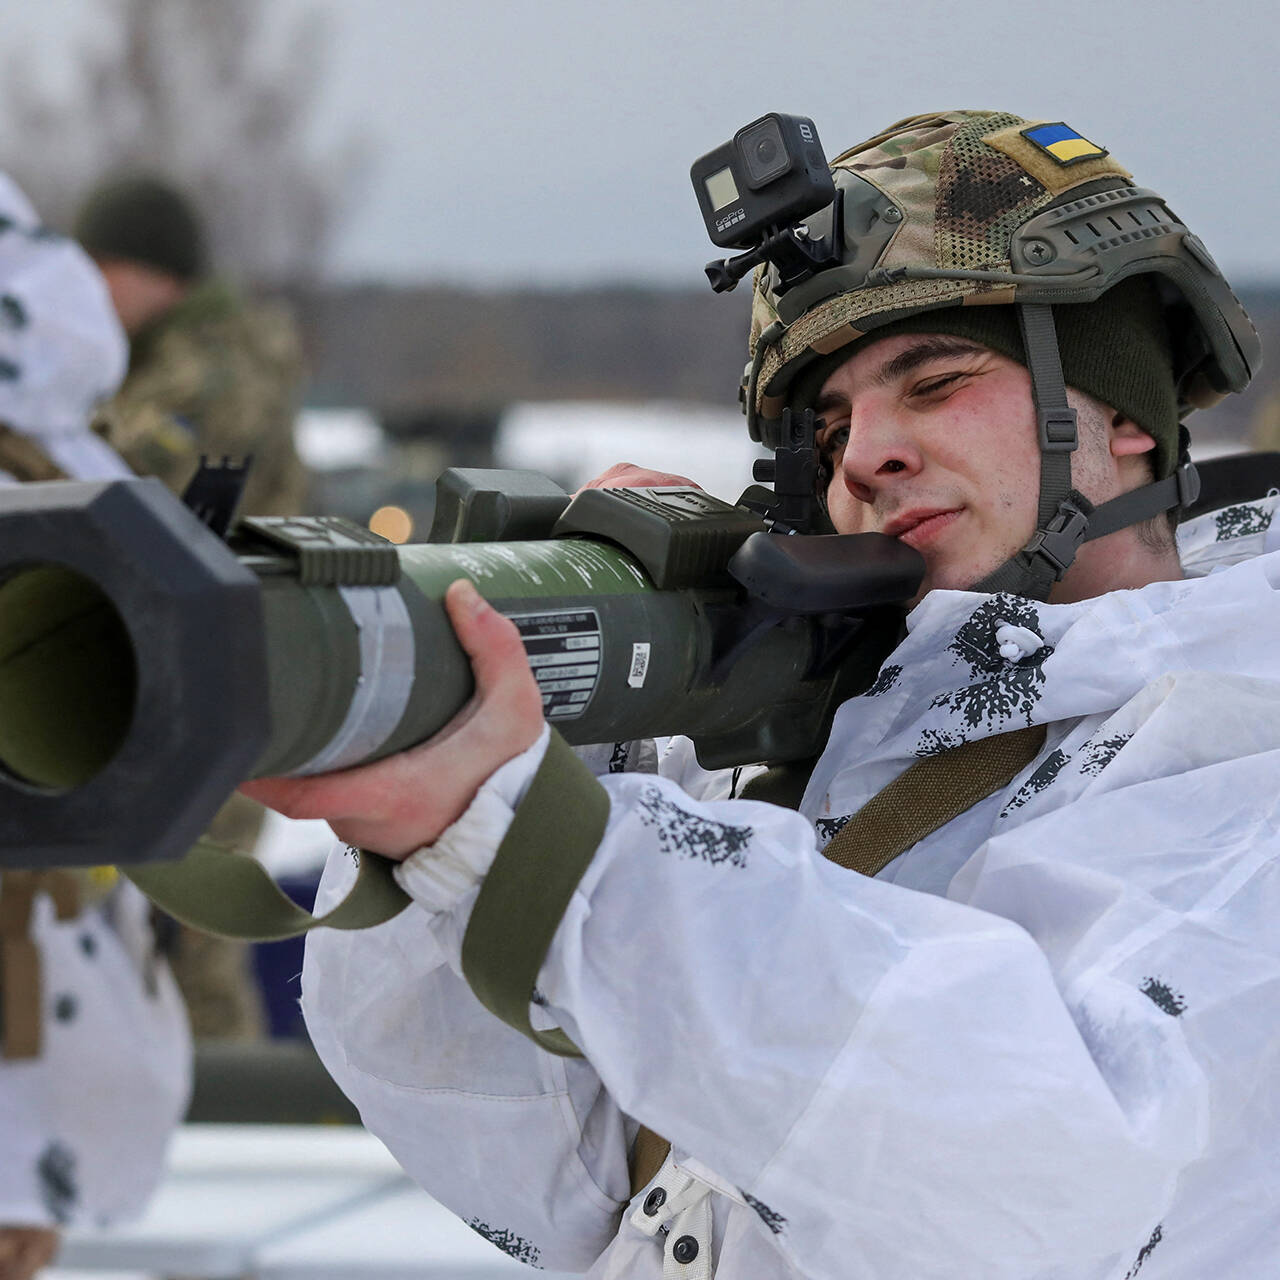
{"x": 1063, "y": 143}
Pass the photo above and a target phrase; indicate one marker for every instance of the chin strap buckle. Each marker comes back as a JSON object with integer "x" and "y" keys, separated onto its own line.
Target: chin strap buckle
{"x": 1187, "y": 479}
{"x": 1061, "y": 539}
{"x": 1058, "y": 430}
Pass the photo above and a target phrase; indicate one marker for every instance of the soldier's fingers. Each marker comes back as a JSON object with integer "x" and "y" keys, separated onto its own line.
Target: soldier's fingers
{"x": 395, "y": 805}
{"x": 628, "y": 475}
{"x": 504, "y": 681}
{"x": 611, "y": 476}
{"x": 25, "y": 1250}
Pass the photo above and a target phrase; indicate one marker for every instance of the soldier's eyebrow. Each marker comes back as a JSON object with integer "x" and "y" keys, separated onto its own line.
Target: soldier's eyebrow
{"x": 919, "y": 353}
{"x": 922, "y": 352}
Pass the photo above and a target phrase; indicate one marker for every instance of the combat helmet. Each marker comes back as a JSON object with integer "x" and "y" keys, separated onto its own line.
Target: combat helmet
{"x": 962, "y": 209}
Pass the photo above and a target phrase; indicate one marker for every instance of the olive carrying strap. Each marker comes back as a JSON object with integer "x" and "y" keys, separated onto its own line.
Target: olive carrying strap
{"x": 928, "y": 795}
{"x": 217, "y": 890}
{"x": 555, "y": 833}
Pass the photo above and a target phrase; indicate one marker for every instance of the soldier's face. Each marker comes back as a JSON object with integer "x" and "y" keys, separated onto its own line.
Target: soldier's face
{"x": 932, "y": 440}
{"x": 139, "y": 293}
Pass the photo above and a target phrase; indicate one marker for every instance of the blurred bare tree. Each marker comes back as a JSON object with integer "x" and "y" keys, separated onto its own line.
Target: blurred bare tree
{"x": 185, "y": 90}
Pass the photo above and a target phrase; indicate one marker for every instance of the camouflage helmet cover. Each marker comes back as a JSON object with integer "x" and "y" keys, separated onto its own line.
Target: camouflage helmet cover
{"x": 962, "y": 208}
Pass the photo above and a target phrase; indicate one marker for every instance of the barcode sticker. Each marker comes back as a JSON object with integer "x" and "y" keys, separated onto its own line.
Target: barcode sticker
{"x": 639, "y": 665}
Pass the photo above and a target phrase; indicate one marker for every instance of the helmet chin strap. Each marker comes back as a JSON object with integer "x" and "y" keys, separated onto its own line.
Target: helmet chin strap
{"x": 1065, "y": 518}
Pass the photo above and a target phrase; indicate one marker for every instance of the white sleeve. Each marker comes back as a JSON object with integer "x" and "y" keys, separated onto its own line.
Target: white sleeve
{"x": 85, "y": 1126}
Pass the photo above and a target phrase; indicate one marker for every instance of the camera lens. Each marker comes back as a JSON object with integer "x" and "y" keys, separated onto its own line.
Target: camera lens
{"x": 764, "y": 152}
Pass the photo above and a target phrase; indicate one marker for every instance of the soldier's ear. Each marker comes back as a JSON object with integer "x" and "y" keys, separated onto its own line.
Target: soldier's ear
{"x": 1127, "y": 438}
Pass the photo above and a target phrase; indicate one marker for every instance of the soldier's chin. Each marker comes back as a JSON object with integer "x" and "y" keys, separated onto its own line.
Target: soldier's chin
{"x": 943, "y": 577}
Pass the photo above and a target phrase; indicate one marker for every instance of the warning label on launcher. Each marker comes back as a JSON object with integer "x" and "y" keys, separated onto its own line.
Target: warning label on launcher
{"x": 564, "y": 652}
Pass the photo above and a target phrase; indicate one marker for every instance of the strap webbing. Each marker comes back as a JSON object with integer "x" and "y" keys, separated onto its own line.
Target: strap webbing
{"x": 648, "y": 1155}
{"x": 549, "y": 845}
{"x": 1029, "y": 572}
{"x": 1178, "y": 490}
{"x": 780, "y": 784}
{"x": 25, "y": 460}
{"x": 928, "y": 795}
{"x": 915, "y": 804}
{"x": 217, "y": 890}
{"x": 1055, "y": 418}
{"x": 21, "y": 985}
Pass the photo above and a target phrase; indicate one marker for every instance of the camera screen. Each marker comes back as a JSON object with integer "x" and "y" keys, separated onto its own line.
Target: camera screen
{"x": 721, "y": 188}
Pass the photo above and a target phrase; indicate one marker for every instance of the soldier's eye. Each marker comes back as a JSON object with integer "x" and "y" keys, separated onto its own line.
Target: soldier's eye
{"x": 833, "y": 440}
{"x": 932, "y": 385}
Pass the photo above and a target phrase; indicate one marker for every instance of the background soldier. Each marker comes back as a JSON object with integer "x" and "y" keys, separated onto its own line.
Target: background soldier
{"x": 208, "y": 374}
{"x": 205, "y": 367}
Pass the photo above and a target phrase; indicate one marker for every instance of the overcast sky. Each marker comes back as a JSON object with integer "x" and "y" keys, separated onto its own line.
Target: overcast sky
{"x": 550, "y": 142}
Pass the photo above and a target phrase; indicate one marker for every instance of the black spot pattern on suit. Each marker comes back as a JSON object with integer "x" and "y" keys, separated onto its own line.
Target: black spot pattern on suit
{"x": 687, "y": 835}
{"x": 771, "y": 1218}
{"x": 1045, "y": 773}
{"x": 13, "y": 312}
{"x": 56, "y": 1173}
{"x": 1163, "y": 996}
{"x": 885, "y": 681}
{"x": 1000, "y": 690}
{"x": 1241, "y": 521}
{"x": 513, "y": 1245}
{"x": 1097, "y": 755}
{"x": 1145, "y": 1252}
{"x": 829, "y": 828}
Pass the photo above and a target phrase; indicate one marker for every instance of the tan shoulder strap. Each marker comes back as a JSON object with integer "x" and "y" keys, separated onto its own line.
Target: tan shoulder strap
{"x": 21, "y": 1023}
{"x": 24, "y": 460}
{"x": 929, "y": 794}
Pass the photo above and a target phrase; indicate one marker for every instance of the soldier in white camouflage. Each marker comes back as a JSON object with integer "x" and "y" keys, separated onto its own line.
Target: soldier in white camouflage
{"x": 1033, "y": 1036}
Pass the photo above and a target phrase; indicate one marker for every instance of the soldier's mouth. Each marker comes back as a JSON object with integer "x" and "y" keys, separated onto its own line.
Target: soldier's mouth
{"x": 923, "y": 527}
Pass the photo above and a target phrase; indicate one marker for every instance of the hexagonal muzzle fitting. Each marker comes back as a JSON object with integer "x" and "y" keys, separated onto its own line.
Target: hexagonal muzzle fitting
{"x": 133, "y": 678}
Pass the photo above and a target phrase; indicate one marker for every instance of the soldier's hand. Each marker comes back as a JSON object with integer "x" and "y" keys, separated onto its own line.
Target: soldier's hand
{"x": 394, "y": 806}
{"x": 627, "y": 475}
{"x": 24, "y": 1250}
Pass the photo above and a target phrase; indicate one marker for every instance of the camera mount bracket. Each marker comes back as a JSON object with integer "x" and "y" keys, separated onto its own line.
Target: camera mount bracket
{"x": 790, "y": 249}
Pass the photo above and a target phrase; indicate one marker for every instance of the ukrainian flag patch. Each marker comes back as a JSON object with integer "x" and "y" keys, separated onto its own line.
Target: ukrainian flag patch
{"x": 1063, "y": 143}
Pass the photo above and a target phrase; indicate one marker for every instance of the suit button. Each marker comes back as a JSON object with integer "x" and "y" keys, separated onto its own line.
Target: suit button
{"x": 654, "y": 1201}
{"x": 685, "y": 1249}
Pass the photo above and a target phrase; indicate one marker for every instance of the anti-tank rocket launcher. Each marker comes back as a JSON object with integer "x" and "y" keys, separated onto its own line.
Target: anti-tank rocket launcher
{"x": 150, "y": 661}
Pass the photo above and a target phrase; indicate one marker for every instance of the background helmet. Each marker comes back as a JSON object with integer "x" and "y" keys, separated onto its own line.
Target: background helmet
{"x": 143, "y": 219}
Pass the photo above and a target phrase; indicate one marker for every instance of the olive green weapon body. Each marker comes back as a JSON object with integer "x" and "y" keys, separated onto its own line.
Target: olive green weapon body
{"x": 148, "y": 666}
